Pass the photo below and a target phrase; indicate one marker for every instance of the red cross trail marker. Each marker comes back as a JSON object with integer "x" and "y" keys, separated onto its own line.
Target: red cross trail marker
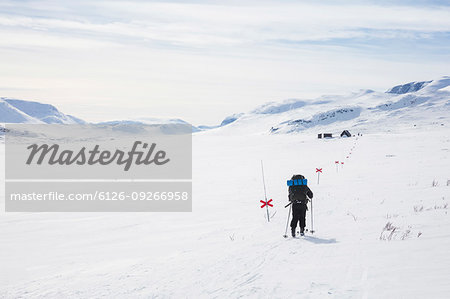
{"x": 266, "y": 203}
{"x": 319, "y": 171}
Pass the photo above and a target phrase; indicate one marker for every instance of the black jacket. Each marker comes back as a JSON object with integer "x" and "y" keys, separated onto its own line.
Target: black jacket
{"x": 300, "y": 194}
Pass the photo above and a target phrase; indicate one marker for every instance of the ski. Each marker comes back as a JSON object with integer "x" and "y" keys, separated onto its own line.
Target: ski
{"x": 298, "y": 235}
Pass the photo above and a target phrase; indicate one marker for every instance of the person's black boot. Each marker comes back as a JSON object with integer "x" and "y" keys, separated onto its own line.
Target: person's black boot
{"x": 293, "y": 232}
{"x": 302, "y": 231}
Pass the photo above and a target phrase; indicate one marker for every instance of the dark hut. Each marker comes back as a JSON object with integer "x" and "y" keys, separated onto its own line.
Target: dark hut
{"x": 346, "y": 133}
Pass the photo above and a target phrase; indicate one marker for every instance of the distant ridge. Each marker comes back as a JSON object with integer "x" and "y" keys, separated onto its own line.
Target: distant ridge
{"x": 408, "y": 87}
{"x": 402, "y": 103}
{"x": 20, "y": 111}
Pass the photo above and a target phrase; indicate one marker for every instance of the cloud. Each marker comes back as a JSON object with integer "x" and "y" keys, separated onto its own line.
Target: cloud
{"x": 168, "y": 57}
{"x": 209, "y": 26}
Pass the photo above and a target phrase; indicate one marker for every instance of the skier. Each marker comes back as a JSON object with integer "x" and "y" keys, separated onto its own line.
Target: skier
{"x": 298, "y": 195}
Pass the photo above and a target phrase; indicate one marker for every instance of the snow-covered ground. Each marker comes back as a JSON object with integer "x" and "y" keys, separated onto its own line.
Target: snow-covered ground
{"x": 381, "y": 218}
{"x": 226, "y": 249}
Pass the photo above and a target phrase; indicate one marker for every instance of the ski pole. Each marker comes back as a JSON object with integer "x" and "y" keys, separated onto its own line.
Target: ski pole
{"x": 287, "y": 223}
{"x": 288, "y": 204}
{"x": 312, "y": 222}
{"x": 265, "y": 195}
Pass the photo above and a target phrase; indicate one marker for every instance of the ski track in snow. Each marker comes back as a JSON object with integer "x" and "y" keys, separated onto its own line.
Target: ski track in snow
{"x": 226, "y": 249}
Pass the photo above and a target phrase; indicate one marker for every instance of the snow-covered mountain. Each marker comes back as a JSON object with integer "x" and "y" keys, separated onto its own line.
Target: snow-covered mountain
{"x": 147, "y": 121}
{"x": 408, "y": 87}
{"x": 410, "y": 102}
{"x": 171, "y": 123}
{"x": 403, "y": 104}
{"x": 20, "y": 111}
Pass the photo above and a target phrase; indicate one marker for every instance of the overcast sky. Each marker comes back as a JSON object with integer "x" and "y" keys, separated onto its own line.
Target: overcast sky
{"x": 204, "y": 60}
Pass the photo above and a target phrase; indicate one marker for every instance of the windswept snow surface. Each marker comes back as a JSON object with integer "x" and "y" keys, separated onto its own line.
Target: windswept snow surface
{"x": 226, "y": 248}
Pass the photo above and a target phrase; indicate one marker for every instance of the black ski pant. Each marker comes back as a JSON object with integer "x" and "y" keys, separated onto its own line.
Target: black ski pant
{"x": 299, "y": 215}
